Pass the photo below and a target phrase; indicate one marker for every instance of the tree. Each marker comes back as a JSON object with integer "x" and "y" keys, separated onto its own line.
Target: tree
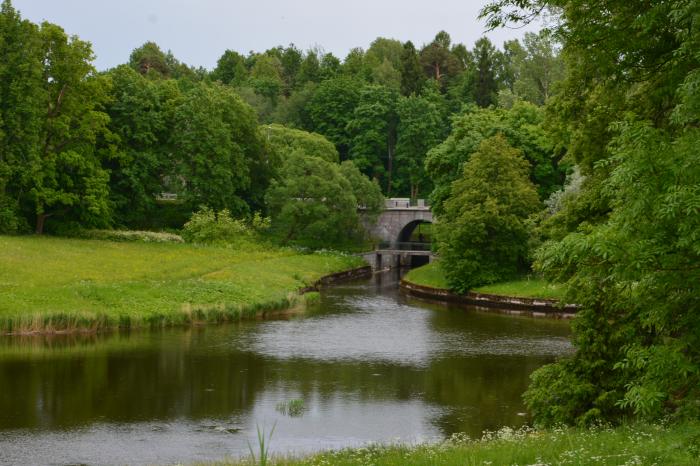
{"x": 411, "y": 71}
{"x": 331, "y": 109}
{"x": 67, "y": 180}
{"x": 539, "y": 69}
{"x": 141, "y": 114}
{"x": 382, "y": 49}
{"x": 266, "y": 77}
{"x": 218, "y": 151}
{"x": 290, "y": 58}
{"x": 437, "y": 60}
{"x": 482, "y": 235}
{"x": 485, "y": 88}
{"x": 310, "y": 69}
{"x": 230, "y": 69}
{"x": 367, "y": 192}
{"x": 149, "y": 58}
{"x": 421, "y": 127}
{"x": 283, "y": 141}
{"x": 522, "y": 125}
{"x": 22, "y": 113}
{"x": 312, "y": 203}
{"x": 373, "y": 133}
{"x": 330, "y": 66}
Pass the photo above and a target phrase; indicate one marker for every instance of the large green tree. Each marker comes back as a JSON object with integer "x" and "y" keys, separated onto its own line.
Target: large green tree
{"x": 312, "y": 203}
{"x": 52, "y": 117}
{"x": 481, "y": 235}
{"x": 218, "y": 151}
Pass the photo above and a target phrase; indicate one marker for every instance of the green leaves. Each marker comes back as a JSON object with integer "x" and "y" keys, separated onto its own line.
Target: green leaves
{"x": 481, "y": 234}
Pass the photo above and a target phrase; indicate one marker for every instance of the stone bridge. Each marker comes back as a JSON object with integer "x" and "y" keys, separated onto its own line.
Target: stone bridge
{"x": 394, "y": 228}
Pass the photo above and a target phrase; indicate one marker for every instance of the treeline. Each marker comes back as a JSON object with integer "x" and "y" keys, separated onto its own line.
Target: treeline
{"x": 145, "y": 144}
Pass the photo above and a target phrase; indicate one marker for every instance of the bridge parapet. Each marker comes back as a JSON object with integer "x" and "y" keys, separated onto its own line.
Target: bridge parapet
{"x": 404, "y": 203}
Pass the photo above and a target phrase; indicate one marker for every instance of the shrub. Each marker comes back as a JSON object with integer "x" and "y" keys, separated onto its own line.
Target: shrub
{"x": 209, "y": 227}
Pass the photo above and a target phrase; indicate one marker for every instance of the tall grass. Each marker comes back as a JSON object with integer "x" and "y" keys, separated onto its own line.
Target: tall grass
{"x": 64, "y": 285}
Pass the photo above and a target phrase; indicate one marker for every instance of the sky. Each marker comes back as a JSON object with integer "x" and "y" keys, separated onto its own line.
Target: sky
{"x": 199, "y": 31}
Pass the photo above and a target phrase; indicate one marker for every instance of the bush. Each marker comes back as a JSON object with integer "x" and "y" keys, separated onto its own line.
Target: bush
{"x": 209, "y": 227}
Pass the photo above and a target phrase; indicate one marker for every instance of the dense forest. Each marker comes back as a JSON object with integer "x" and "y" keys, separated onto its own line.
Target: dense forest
{"x": 573, "y": 151}
{"x": 88, "y": 149}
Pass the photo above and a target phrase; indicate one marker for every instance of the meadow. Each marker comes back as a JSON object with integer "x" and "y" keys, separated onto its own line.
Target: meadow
{"x": 56, "y": 284}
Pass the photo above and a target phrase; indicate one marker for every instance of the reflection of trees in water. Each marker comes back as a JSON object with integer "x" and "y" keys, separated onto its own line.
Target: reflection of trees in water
{"x": 206, "y": 373}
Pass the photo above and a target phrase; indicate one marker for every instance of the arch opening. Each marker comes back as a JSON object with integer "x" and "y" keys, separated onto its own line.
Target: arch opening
{"x": 417, "y": 234}
{"x": 417, "y": 231}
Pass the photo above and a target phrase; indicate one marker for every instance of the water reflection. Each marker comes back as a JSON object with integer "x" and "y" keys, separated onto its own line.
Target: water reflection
{"x": 368, "y": 363}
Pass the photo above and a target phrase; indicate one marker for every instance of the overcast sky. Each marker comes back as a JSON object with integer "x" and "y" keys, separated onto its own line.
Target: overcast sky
{"x": 198, "y": 31}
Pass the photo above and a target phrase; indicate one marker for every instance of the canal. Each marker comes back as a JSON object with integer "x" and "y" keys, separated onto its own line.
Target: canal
{"x": 364, "y": 364}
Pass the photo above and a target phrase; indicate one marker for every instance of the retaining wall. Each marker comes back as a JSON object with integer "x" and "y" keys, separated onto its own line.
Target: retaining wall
{"x": 536, "y": 307}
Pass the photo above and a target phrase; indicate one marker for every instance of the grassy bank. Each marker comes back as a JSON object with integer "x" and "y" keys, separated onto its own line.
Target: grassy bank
{"x": 526, "y": 287}
{"x": 53, "y": 284}
{"x": 638, "y": 445}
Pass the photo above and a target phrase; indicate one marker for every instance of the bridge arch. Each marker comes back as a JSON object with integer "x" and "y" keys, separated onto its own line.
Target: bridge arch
{"x": 406, "y": 235}
{"x": 398, "y": 219}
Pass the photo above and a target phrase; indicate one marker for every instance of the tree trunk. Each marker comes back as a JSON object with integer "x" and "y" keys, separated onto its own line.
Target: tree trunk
{"x": 40, "y": 220}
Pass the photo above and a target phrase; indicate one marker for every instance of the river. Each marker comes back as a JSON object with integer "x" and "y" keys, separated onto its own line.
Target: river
{"x": 368, "y": 364}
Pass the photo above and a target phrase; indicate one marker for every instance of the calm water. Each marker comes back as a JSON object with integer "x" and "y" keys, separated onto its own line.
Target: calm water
{"x": 369, "y": 363}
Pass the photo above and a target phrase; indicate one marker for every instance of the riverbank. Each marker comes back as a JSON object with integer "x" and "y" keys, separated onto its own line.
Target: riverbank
{"x": 51, "y": 285}
{"x": 676, "y": 445}
{"x": 528, "y": 287}
{"x": 530, "y": 295}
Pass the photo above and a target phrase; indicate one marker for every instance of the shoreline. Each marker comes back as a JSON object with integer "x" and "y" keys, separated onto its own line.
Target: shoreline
{"x": 512, "y": 305}
{"x": 202, "y": 315}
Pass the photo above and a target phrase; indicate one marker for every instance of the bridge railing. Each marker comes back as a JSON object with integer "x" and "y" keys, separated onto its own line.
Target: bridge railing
{"x": 405, "y": 246}
{"x": 405, "y": 203}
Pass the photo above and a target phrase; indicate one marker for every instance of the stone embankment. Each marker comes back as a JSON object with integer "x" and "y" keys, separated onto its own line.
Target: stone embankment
{"x": 535, "y": 307}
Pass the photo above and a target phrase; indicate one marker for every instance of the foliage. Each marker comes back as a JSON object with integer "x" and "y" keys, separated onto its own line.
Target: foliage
{"x": 141, "y": 118}
{"x": 639, "y": 270}
{"x": 630, "y": 259}
{"x": 331, "y": 109}
{"x": 368, "y": 194}
{"x": 230, "y": 68}
{"x": 209, "y": 227}
{"x": 219, "y": 151}
{"x": 481, "y": 234}
{"x": 283, "y": 141}
{"x": 421, "y": 127}
{"x": 312, "y": 203}
{"x": 373, "y": 132}
{"x": 52, "y": 117}
{"x": 523, "y": 125}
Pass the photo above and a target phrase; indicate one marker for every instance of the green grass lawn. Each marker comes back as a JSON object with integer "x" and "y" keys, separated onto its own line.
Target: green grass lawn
{"x": 525, "y": 287}
{"x": 61, "y": 284}
{"x": 677, "y": 445}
